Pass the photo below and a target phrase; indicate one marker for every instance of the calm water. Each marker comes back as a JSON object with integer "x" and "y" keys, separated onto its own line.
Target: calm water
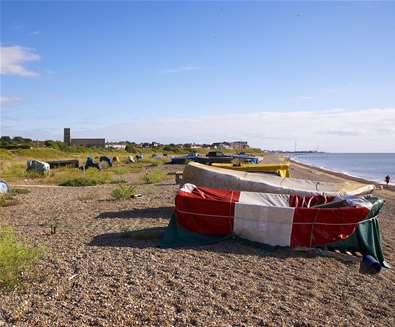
{"x": 372, "y": 166}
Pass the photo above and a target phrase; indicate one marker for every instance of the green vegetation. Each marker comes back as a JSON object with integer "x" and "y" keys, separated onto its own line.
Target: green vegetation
{"x": 130, "y": 148}
{"x": 79, "y": 181}
{"x": 5, "y": 154}
{"x": 77, "y": 177}
{"x": 16, "y": 142}
{"x": 8, "y": 199}
{"x": 155, "y": 176}
{"x": 119, "y": 181}
{"x": 15, "y": 258}
{"x": 13, "y": 161}
{"x": 16, "y": 191}
{"x": 124, "y": 192}
{"x": 120, "y": 170}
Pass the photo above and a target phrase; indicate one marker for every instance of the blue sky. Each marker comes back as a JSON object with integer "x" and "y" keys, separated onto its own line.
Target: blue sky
{"x": 319, "y": 74}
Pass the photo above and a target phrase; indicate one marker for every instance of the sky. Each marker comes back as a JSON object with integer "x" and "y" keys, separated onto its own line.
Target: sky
{"x": 281, "y": 75}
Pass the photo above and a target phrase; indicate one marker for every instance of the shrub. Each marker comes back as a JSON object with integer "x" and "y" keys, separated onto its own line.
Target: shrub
{"x": 76, "y": 177}
{"x": 119, "y": 181}
{"x": 130, "y": 148}
{"x": 124, "y": 192}
{"x": 15, "y": 258}
{"x": 153, "y": 177}
{"x": 15, "y": 191}
{"x": 79, "y": 181}
{"x": 7, "y": 200}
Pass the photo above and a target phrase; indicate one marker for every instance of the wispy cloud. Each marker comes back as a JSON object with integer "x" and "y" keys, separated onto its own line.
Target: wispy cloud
{"x": 180, "y": 69}
{"x": 9, "y": 100}
{"x": 14, "y": 58}
{"x": 330, "y": 130}
{"x": 335, "y": 130}
{"x": 37, "y": 32}
{"x": 342, "y": 132}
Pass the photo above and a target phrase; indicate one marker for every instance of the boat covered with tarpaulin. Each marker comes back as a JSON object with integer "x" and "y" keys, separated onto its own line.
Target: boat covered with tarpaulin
{"x": 206, "y": 215}
{"x": 214, "y": 177}
{"x": 281, "y": 169}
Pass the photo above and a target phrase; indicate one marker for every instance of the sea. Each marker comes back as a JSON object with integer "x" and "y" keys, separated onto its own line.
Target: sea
{"x": 370, "y": 166}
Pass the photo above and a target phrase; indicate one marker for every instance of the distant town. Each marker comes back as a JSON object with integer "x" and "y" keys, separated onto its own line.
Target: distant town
{"x": 21, "y": 142}
{"x": 16, "y": 142}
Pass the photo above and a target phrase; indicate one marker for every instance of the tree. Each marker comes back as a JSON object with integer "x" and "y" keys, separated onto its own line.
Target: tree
{"x": 130, "y": 148}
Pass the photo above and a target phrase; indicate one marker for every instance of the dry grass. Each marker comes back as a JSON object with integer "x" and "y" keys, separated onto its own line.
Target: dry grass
{"x": 9, "y": 199}
{"x": 155, "y": 176}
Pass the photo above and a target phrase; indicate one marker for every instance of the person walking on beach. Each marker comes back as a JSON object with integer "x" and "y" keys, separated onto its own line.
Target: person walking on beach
{"x": 387, "y": 179}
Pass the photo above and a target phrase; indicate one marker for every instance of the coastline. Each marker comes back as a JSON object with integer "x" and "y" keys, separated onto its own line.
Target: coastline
{"x": 342, "y": 175}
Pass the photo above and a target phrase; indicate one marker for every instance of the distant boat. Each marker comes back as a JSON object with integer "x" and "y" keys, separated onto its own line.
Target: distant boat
{"x": 214, "y": 157}
{"x": 214, "y": 177}
{"x": 281, "y": 170}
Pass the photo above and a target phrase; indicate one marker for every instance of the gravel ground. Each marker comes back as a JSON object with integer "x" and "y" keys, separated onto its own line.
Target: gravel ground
{"x": 91, "y": 276}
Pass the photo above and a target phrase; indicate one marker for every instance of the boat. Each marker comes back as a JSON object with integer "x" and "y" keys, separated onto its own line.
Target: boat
{"x": 214, "y": 157}
{"x": 243, "y": 157}
{"x": 207, "y": 215}
{"x": 281, "y": 170}
{"x": 215, "y": 177}
{"x": 195, "y": 157}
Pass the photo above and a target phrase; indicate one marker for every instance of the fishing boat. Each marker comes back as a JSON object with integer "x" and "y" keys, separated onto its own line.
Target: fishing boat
{"x": 215, "y": 177}
{"x": 281, "y": 170}
{"x": 206, "y": 215}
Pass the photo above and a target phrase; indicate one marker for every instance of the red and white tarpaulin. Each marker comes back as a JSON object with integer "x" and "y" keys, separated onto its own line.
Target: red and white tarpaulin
{"x": 274, "y": 219}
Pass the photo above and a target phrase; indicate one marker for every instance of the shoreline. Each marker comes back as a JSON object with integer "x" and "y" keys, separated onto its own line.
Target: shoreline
{"x": 343, "y": 175}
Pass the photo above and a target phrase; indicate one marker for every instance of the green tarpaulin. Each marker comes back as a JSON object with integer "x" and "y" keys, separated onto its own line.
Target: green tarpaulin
{"x": 366, "y": 239}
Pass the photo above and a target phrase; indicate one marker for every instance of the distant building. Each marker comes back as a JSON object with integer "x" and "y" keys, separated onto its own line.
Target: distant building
{"x": 221, "y": 145}
{"x": 66, "y": 136}
{"x": 116, "y": 146}
{"x": 238, "y": 145}
{"x": 99, "y": 143}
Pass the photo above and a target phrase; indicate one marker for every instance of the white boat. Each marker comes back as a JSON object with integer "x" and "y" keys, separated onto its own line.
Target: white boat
{"x": 214, "y": 177}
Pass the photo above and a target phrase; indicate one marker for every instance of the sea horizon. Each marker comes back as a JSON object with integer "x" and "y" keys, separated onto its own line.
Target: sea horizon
{"x": 369, "y": 166}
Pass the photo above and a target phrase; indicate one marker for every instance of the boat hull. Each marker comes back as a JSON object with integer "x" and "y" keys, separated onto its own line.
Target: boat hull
{"x": 214, "y": 177}
{"x": 281, "y": 170}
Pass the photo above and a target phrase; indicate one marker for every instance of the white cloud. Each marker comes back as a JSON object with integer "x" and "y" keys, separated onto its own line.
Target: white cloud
{"x": 14, "y": 58}
{"x": 329, "y": 130}
{"x": 334, "y": 130}
{"x": 180, "y": 69}
{"x": 35, "y": 32}
{"x": 8, "y": 100}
